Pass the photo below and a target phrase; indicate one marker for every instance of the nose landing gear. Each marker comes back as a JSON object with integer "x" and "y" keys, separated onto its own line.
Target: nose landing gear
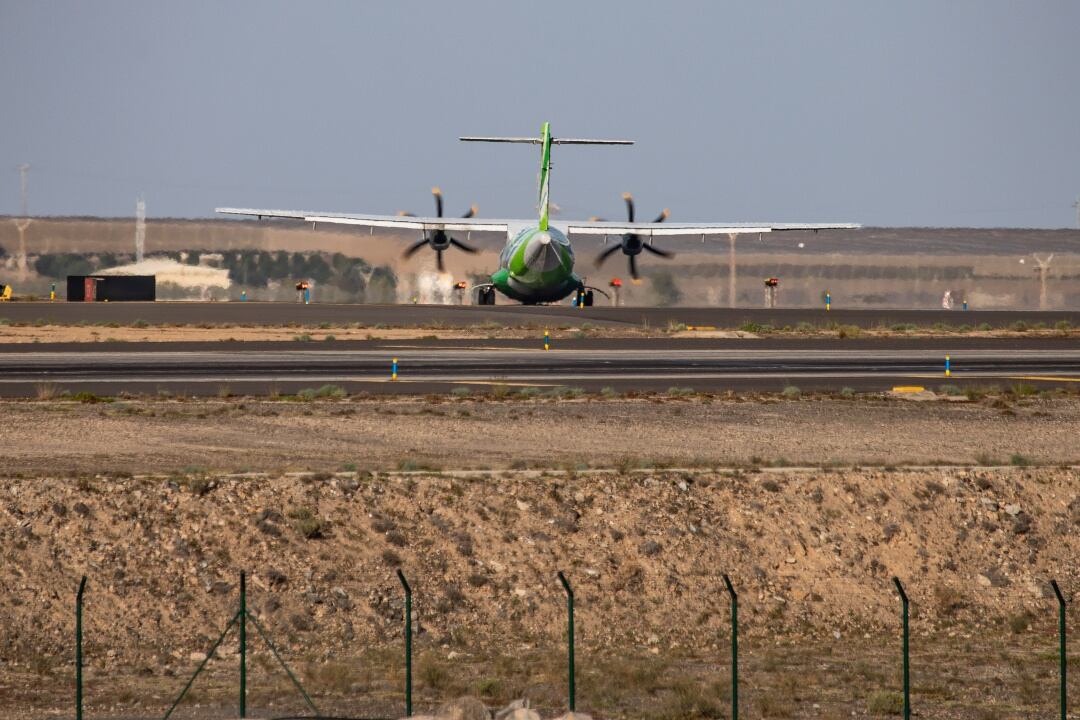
{"x": 583, "y": 298}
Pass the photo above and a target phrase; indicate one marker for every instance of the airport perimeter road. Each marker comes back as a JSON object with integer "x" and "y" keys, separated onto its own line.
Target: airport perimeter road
{"x": 438, "y": 369}
{"x": 265, "y": 313}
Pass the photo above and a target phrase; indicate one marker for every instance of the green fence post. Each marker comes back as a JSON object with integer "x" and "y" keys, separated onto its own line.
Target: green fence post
{"x": 1062, "y": 661}
{"x": 243, "y": 644}
{"x": 78, "y": 649}
{"x": 570, "y": 637}
{"x": 734, "y": 648}
{"x": 408, "y": 642}
{"x": 907, "y": 667}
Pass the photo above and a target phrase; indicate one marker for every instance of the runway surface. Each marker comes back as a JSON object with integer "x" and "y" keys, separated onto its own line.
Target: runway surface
{"x": 436, "y": 366}
{"x": 257, "y": 313}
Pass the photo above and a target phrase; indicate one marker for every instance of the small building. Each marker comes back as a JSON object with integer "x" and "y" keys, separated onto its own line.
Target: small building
{"x": 114, "y": 288}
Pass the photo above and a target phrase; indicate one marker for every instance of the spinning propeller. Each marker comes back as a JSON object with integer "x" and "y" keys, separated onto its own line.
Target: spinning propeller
{"x": 438, "y": 240}
{"x": 632, "y": 244}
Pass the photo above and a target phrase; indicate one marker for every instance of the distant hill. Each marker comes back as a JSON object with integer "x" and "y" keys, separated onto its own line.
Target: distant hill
{"x": 870, "y": 267}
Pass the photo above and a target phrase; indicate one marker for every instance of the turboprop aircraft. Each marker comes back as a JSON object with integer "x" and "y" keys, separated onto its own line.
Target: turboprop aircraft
{"x": 537, "y": 263}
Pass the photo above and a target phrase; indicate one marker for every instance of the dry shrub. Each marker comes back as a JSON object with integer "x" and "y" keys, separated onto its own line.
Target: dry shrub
{"x": 949, "y": 599}
{"x": 308, "y": 523}
{"x": 883, "y": 702}
{"x": 337, "y": 677}
{"x": 46, "y": 391}
{"x": 432, "y": 673}
{"x": 772, "y": 706}
{"x": 689, "y": 700}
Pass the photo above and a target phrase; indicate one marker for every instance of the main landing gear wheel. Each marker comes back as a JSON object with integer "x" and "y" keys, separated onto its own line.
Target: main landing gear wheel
{"x": 584, "y": 297}
{"x": 485, "y": 296}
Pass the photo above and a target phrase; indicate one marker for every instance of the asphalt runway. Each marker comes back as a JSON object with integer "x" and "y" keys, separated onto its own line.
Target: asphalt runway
{"x": 260, "y": 313}
{"x": 624, "y": 365}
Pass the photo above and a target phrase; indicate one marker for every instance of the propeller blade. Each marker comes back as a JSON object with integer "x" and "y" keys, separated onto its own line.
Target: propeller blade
{"x": 662, "y": 216}
{"x": 472, "y": 212}
{"x": 462, "y": 246}
{"x": 412, "y": 249}
{"x": 606, "y": 254}
{"x": 633, "y": 266}
{"x": 629, "y": 206}
{"x": 658, "y": 251}
{"x": 438, "y": 201}
{"x": 439, "y": 261}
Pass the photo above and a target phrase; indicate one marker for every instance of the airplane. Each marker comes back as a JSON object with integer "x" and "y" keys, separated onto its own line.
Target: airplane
{"x": 537, "y": 263}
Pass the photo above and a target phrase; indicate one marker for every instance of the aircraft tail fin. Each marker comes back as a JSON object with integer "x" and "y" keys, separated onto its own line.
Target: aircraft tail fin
{"x": 545, "y": 141}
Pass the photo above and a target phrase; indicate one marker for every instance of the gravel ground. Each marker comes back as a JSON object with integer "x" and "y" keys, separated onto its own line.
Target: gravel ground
{"x": 452, "y": 433}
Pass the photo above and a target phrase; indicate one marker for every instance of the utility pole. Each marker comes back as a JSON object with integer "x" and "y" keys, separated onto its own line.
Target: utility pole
{"x": 1077, "y": 206}
{"x": 21, "y": 224}
{"x": 24, "y": 170}
{"x": 1043, "y": 270}
{"x": 24, "y": 221}
{"x": 731, "y": 269}
{"x": 140, "y": 229}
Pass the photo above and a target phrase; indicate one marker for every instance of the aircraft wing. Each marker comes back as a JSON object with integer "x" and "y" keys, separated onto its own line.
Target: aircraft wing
{"x": 676, "y": 228}
{"x": 401, "y": 222}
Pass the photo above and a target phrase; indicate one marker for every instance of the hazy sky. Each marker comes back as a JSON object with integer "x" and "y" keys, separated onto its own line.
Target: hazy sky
{"x": 888, "y": 113}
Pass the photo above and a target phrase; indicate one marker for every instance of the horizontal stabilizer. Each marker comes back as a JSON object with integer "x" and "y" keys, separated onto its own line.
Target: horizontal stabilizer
{"x": 582, "y": 141}
{"x": 527, "y": 140}
{"x": 554, "y": 141}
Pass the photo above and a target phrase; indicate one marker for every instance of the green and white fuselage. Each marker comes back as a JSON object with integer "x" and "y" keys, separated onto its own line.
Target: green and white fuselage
{"x": 537, "y": 266}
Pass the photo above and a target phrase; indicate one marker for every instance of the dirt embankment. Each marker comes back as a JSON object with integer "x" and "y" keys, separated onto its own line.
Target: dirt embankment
{"x": 811, "y": 552}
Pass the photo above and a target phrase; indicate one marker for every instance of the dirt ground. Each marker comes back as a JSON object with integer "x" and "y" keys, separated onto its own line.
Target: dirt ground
{"x": 217, "y": 333}
{"x": 478, "y": 432}
{"x": 141, "y": 333}
{"x": 811, "y": 553}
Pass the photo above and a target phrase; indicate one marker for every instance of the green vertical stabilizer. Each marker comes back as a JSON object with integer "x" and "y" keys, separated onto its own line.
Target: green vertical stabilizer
{"x": 545, "y": 173}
